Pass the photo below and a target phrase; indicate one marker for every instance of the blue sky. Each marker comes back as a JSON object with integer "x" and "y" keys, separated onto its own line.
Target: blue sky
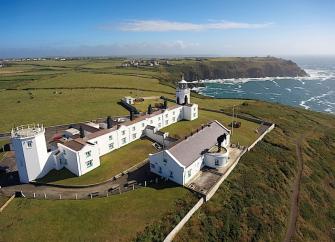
{"x": 224, "y": 28}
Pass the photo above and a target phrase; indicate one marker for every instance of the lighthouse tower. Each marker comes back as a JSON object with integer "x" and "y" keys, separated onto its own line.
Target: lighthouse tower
{"x": 183, "y": 93}
{"x": 30, "y": 151}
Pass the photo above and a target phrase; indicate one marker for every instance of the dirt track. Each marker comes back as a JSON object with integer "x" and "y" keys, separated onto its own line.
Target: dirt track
{"x": 294, "y": 203}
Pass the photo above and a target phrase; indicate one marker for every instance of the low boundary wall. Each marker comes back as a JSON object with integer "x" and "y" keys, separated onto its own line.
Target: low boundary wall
{"x": 6, "y": 203}
{"x": 180, "y": 225}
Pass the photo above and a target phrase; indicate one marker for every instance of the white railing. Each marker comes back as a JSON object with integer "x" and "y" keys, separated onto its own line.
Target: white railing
{"x": 27, "y": 130}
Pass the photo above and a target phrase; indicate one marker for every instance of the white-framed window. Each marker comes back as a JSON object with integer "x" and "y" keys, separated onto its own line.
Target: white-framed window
{"x": 194, "y": 109}
{"x": 111, "y": 146}
{"x": 159, "y": 125}
{"x": 165, "y": 161}
{"x": 143, "y": 125}
{"x": 64, "y": 152}
{"x": 88, "y": 154}
{"x": 174, "y": 119}
{"x": 173, "y": 112}
{"x": 152, "y": 166}
{"x": 89, "y": 163}
{"x": 123, "y": 140}
{"x": 151, "y": 121}
{"x": 123, "y": 132}
{"x": 189, "y": 172}
{"x": 216, "y": 162}
{"x": 166, "y": 122}
{"x": 159, "y": 118}
{"x": 96, "y": 142}
{"x": 134, "y": 136}
{"x": 29, "y": 144}
{"x": 134, "y": 128}
{"x": 194, "y": 114}
{"x": 171, "y": 174}
{"x": 166, "y": 115}
{"x": 110, "y": 137}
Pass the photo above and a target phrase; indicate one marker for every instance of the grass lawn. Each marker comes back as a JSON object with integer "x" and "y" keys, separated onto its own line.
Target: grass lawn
{"x": 117, "y": 218}
{"x": 245, "y": 135}
{"x": 143, "y": 106}
{"x": 3, "y": 200}
{"x": 66, "y": 106}
{"x": 111, "y": 165}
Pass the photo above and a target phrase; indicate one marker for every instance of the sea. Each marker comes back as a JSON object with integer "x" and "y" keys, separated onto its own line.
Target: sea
{"x": 315, "y": 92}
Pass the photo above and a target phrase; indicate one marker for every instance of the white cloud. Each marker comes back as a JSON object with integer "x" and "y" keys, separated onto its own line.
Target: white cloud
{"x": 165, "y": 26}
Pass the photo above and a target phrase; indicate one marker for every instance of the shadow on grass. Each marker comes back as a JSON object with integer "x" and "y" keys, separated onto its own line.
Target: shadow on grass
{"x": 55, "y": 175}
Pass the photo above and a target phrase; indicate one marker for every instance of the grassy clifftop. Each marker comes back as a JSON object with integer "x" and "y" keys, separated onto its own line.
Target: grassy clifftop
{"x": 235, "y": 67}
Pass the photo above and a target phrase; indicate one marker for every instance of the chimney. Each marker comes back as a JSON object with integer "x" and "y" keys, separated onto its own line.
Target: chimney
{"x": 81, "y": 132}
{"x": 109, "y": 122}
{"x": 131, "y": 115}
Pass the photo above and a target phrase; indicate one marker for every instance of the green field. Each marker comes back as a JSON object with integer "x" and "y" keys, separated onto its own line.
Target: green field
{"x": 117, "y": 218}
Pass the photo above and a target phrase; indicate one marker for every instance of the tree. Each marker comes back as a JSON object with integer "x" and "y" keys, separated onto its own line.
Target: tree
{"x": 149, "y": 109}
{"x": 220, "y": 140}
{"x": 81, "y": 132}
{"x": 109, "y": 122}
{"x": 165, "y": 104}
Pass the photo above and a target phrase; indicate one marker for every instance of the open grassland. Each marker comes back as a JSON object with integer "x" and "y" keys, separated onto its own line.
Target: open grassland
{"x": 253, "y": 204}
{"x": 111, "y": 164}
{"x": 117, "y": 218}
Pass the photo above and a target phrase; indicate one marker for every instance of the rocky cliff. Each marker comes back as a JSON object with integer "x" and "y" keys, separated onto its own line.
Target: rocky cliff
{"x": 235, "y": 67}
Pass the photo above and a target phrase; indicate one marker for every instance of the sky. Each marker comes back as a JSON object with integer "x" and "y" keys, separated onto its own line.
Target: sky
{"x": 170, "y": 27}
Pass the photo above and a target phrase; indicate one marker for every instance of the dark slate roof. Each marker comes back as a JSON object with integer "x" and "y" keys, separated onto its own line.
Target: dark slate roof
{"x": 188, "y": 150}
{"x": 74, "y": 144}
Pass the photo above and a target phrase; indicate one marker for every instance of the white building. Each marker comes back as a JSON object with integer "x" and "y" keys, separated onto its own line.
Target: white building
{"x": 183, "y": 161}
{"x": 128, "y": 99}
{"x": 183, "y": 93}
{"x": 81, "y": 155}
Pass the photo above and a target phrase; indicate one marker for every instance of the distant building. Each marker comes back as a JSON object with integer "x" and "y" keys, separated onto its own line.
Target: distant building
{"x": 128, "y": 99}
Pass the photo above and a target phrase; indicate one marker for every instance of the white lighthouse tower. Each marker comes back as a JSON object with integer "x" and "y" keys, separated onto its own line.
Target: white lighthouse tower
{"x": 183, "y": 93}
{"x": 30, "y": 151}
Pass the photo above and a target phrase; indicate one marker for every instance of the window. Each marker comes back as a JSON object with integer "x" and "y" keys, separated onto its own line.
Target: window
{"x": 134, "y": 128}
{"x": 166, "y": 122}
{"x": 88, "y": 154}
{"x": 64, "y": 152}
{"x": 160, "y": 170}
{"x": 143, "y": 125}
{"x": 174, "y": 119}
{"x": 151, "y": 121}
{"x": 194, "y": 114}
{"x": 189, "y": 172}
{"x": 134, "y": 136}
{"x": 123, "y": 140}
{"x": 159, "y": 125}
{"x": 194, "y": 109}
{"x": 159, "y": 118}
{"x": 111, "y": 146}
{"x": 174, "y": 112}
{"x": 29, "y": 144}
{"x": 165, "y": 160}
{"x": 123, "y": 132}
{"x": 111, "y": 137}
{"x": 166, "y": 115}
{"x": 89, "y": 163}
{"x": 63, "y": 161}
{"x": 216, "y": 162}
{"x": 171, "y": 174}
{"x": 96, "y": 142}
{"x": 152, "y": 166}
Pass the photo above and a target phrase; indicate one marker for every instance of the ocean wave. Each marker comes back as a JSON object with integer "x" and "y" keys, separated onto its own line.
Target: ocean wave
{"x": 313, "y": 74}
